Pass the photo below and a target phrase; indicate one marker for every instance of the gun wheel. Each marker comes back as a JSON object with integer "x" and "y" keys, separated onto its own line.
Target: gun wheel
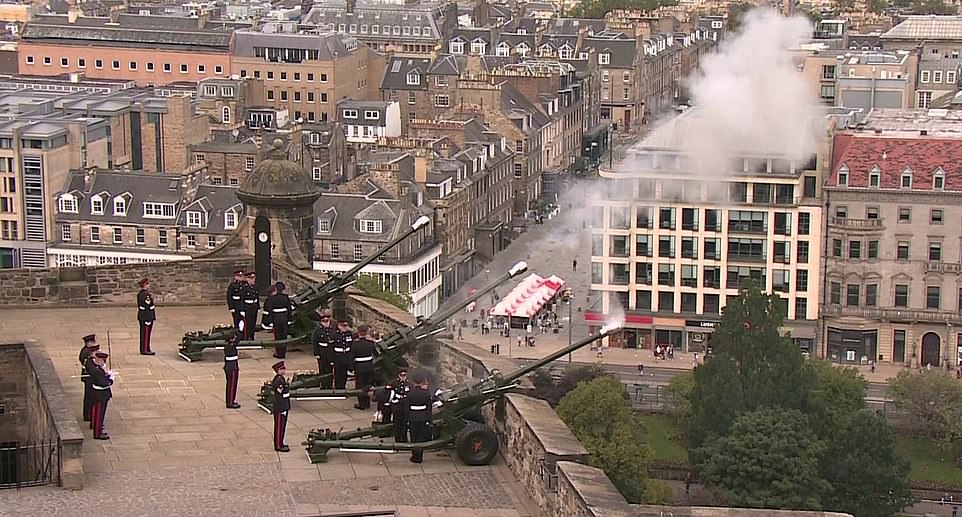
{"x": 476, "y": 444}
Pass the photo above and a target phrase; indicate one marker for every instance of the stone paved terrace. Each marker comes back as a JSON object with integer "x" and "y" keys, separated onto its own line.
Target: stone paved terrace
{"x": 175, "y": 449}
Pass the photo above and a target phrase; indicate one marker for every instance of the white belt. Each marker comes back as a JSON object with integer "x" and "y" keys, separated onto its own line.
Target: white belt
{"x": 250, "y": 302}
{"x": 286, "y": 395}
{"x": 322, "y": 344}
{"x": 418, "y": 408}
{"x": 341, "y": 350}
{"x": 231, "y": 358}
{"x": 235, "y": 297}
{"x": 278, "y": 310}
{"x": 141, "y": 307}
{"x": 94, "y": 386}
{"x": 363, "y": 359}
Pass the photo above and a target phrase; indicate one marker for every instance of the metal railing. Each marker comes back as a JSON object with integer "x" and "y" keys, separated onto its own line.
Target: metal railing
{"x": 846, "y": 222}
{"x": 30, "y": 464}
{"x": 942, "y": 267}
{"x": 893, "y": 314}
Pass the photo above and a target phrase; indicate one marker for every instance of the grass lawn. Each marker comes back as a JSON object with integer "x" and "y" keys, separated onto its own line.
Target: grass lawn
{"x": 929, "y": 461}
{"x": 660, "y": 431}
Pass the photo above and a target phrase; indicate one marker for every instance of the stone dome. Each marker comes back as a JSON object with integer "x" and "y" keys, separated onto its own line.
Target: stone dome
{"x": 278, "y": 181}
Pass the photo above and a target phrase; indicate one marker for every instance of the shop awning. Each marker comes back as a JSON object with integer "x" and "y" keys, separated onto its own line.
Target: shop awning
{"x": 529, "y": 296}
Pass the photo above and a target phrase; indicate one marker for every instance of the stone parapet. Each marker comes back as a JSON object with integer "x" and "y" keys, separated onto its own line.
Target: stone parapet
{"x": 642, "y": 510}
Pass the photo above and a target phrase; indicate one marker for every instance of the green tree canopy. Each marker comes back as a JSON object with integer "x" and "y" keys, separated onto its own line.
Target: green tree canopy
{"x": 599, "y": 8}
{"x": 933, "y": 399}
{"x": 598, "y": 413}
{"x": 769, "y": 460}
{"x": 369, "y": 285}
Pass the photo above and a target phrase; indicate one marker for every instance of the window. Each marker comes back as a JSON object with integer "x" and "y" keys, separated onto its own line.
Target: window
{"x": 193, "y": 219}
{"x": 933, "y": 294}
{"x": 801, "y": 280}
{"x": 666, "y": 246}
{"x": 711, "y": 277}
{"x": 711, "y": 304}
{"x": 210, "y": 91}
{"x": 836, "y": 247}
{"x": 115, "y": 65}
{"x": 843, "y": 177}
{"x": 781, "y": 280}
{"x": 132, "y": 65}
{"x": 801, "y": 308}
{"x": 835, "y": 293}
{"x": 873, "y": 249}
{"x": 713, "y": 220}
{"x": 935, "y": 251}
{"x": 225, "y": 115}
{"x": 64, "y": 62}
{"x": 905, "y": 214}
{"x": 94, "y": 234}
{"x": 712, "y": 249}
{"x": 477, "y": 47}
{"x": 167, "y": 67}
{"x": 412, "y": 98}
{"x": 150, "y": 66}
{"x": 162, "y": 238}
{"x": 666, "y": 219}
{"x": 841, "y": 212}
{"x": 230, "y": 220}
{"x": 643, "y": 273}
{"x": 441, "y": 101}
{"x": 97, "y": 205}
{"x": 30, "y": 60}
{"x": 783, "y": 223}
{"x": 141, "y": 237}
{"x": 801, "y": 252}
{"x": 358, "y": 252}
{"x": 907, "y": 179}
{"x": 851, "y": 295}
{"x": 191, "y": 241}
{"x": 642, "y": 300}
{"x": 689, "y": 302}
{"x": 937, "y": 76}
{"x": 211, "y": 241}
{"x": 67, "y": 204}
{"x": 855, "y": 249}
{"x": 804, "y": 223}
{"x": 902, "y": 296}
{"x": 604, "y": 58}
{"x": 902, "y": 250}
{"x": 938, "y": 181}
{"x": 935, "y": 216}
{"x": 689, "y": 275}
{"x": 871, "y": 212}
{"x": 120, "y": 206}
{"x": 689, "y": 247}
{"x": 666, "y": 301}
{"x": 65, "y": 233}
{"x": 874, "y": 178}
{"x": 923, "y": 99}
{"x": 457, "y": 47}
{"x": 828, "y": 72}
{"x": 689, "y": 219}
{"x": 47, "y": 60}
{"x": 925, "y": 76}
{"x": 184, "y": 69}
{"x": 370, "y": 226}
{"x": 118, "y": 236}
{"x": 249, "y": 163}
{"x": 158, "y": 210}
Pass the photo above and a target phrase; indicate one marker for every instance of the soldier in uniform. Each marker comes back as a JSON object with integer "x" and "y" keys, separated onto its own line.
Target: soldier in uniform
{"x": 90, "y": 347}
{"x": 233, "y": 296}
{"x": 398, "y": 402}
{"x": 250, "y": 304}
{"x": 341, "y": 353}
{"x": 419, "y": 406}
{"x": 145, "y": 315}
{"x": 363, "y": 352}
{"x": 100, "y": 382}
{"x": 282, "y": 404}
{"x": 324, "y": 336}
{"x": 280, "y": 309}
{"x": 232, "y": 368}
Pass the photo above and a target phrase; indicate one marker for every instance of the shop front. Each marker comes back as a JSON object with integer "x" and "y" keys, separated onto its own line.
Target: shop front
{"x": 636, "y": 332}
{"x": 852, "y": 346}
{"x": 698, "y": 335}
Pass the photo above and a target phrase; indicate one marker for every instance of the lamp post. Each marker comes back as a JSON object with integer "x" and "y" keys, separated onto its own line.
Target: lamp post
{"x": 570, "y": 325}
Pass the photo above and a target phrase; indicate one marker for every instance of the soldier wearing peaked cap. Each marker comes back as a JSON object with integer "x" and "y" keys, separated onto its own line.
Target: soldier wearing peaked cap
{"x": 90, "y": 347}
{"x": 232, "y": 369}
{"x": 341, "y": 353}
{"x": 323, "y": 339}
{"x": 250, "y": 305}
{"x": 146, "y": 315}
{"x": 234, "y": 295}
{"x": 100, "y": 382}
{"x": 280, "y": 310}
{"x": 363, "y": 352}
{"x": 282, "y": 405}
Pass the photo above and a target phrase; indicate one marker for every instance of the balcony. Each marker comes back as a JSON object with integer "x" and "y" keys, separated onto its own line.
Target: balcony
{"x": 942, "y": 267}
{"x": 903, "y": 315}
{"x": 855, "y": 224}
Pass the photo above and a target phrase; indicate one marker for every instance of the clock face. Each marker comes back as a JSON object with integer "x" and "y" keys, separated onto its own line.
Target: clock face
{"x": 262, "y": 236}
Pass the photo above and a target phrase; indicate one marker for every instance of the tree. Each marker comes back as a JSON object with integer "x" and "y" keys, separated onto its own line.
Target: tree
{"x": 933, "y": 7}
{"x": 369, "y": 285}
{"x": 736, "y": 14}
{"x": 599, "y": 8}
{"x": 598, "y": 413}
{"x": 678, "y": 394}
{"x": 752, "y": 366}
{"x": 838, "y": 393}
{"x": 769, "y": 460}
{"x": 877, "y": 6}
{"x": 553, "y": 390}
{"x": 933, "y": 399}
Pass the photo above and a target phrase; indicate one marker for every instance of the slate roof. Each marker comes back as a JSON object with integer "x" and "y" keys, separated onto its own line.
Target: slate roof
{"x": 212, "y": 201}
{"x": 397, "y": 70}
{"x": 513, "y": 100}
{"x": 334, "y": 12}
{"x": 927, "y": 27}
{"x": 329, "y": 45}
{"x": 864, "y": 41}
{"x": 622, "y": 50}
{"x": 572, "y": 26}
{"x": 345, "y": 210}
{"x": 448, "y": 64}
{"x": 140, "y": 187}
{"x": 922, "y": 155}
{"x": 99, "y": 31}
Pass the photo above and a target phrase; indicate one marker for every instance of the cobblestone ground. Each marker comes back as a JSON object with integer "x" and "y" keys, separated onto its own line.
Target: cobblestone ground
{"x": 175, "y": 449}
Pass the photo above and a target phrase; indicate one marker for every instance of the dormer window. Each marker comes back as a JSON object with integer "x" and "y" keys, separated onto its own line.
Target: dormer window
{"x": 874, "y": 178}
{"x": 938, "y": 181}
{"x": 97, "y": 205}
{"x": 502, "y": 50}
{"x": 604, "y": 58}
{"x": 120, "y": 207}
{"x": 413, "y": 78}
{"x": 315, "y": 138}
{"x": 210, "y": 91}
{"x": 324, "y": 225}
{"x": 523, "y": 49}
{"x": 193, "y": 219}
{"x": 907, "y": 178}
{"x": 565, "y": 52}
{"x": 477, "y": 47}
{"x": 370, "y": 226}
{"x": 67, "y": 204}
{"x": 372, "y": 114}
{"x": 350, "y": 113}
{"x": 843, "y": 176}
{"x": 230, "y": 220}
{"x": 456, "y": 47}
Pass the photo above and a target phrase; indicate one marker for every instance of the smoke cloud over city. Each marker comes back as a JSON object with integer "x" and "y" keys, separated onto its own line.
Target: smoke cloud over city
{"x": 749, "y": 96}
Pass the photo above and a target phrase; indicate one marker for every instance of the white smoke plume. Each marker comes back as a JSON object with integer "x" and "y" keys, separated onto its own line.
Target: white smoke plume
{"x": 750, "y": 97}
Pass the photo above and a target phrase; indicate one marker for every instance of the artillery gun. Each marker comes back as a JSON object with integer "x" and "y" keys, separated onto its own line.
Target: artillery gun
{"x": 392, "y": 350}
{"x": 306, "y": 303}
{"x": 455, "y": 423}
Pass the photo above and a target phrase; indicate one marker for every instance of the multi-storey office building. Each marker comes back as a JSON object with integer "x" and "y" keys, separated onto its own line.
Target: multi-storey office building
{"x": 893, "y": 273}
{"x": 670, "y": 246}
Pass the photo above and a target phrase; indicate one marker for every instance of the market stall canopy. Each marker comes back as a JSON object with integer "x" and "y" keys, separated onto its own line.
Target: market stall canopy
{"x": 529, "y": 296}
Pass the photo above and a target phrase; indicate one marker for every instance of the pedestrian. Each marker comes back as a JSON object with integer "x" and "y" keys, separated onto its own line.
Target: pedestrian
{"x": 282, "y": 405}
{"x": 420, "y": 402}
{"x": 251, "y": 304}
{"x": 281, "y": 310}
{"x": 86, "y": 353}
{"x": 520, "y": 340}
{"x": 399, "y": 397}
{"x": 460, "y": 335}
{"x": 641, "y": 369}
{"x": 233, "y": 296}
{"x": 341, "y": 354}
{"x": 146, "y": 315}
{"x": 363, "y": 352}
{"x": 100, "y": 382}
{"x": 324, "y": 336}
{"x": 231, "y": 370}
{"x": 574, "y": 265}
